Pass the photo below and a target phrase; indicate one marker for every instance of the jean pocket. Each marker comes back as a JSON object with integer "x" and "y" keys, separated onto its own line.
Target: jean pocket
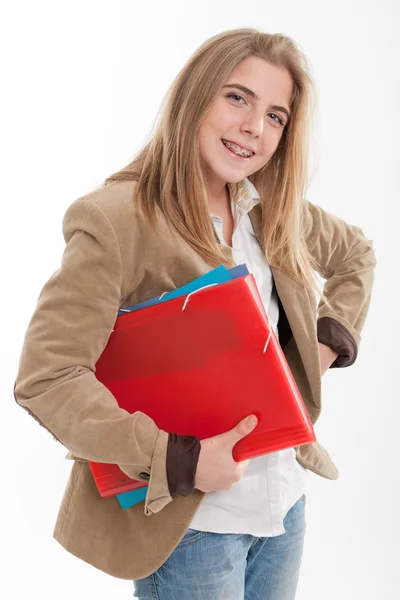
{"x": 192, "y": 536}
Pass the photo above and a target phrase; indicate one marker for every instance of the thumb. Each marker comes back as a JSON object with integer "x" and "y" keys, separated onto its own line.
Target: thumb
{"x": 242, "y": 429}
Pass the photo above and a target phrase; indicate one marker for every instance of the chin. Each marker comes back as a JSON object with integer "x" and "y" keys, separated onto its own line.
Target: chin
{"x": 231, "y": 176}
{"x": 236, "y": 179}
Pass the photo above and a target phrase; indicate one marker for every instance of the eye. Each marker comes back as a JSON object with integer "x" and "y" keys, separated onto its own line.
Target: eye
{"x": 235, "y": 96}
{"x": 279, "y": 119}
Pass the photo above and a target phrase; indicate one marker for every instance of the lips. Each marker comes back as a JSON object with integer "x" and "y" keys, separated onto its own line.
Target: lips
{"x": 239, "y": 145}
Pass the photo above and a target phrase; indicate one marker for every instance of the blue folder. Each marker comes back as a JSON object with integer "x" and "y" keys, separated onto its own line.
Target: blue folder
{"x": 218, "y": 275}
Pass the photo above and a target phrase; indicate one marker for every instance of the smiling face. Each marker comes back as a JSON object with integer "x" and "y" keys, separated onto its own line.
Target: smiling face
{"x": 247, "y": 117}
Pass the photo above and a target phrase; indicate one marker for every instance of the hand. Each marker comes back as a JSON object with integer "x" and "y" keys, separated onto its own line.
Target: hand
{"x": 326, "y": 357}
{"x": 216, "y": 467}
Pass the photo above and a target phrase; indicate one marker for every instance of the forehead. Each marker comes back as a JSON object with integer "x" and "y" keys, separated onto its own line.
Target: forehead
{"x": 270, "y": 83}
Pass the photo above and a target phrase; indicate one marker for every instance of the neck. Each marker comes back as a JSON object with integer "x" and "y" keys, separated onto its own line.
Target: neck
{"x": 219, "y": 202}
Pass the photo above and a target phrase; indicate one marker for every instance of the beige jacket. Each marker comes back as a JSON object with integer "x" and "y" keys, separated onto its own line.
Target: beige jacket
{"x": 113, "y": 259}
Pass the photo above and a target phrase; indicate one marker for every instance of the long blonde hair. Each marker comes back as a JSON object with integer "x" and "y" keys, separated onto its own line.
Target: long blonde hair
{"x": 169, "y": 172}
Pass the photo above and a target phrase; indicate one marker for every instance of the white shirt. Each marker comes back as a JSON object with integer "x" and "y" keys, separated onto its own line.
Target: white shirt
{"x": 272, "y": 484}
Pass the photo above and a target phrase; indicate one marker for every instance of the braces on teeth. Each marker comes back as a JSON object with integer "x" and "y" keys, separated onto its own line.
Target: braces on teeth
{"x": 237, "y": 150}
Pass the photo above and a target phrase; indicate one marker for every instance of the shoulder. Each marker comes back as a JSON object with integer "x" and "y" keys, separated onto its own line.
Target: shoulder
{"x": 112, "y": 213}
{"x": 318, "y": 222}
{"x": 331, "y": 240}
{"x": 110, "y": 207}
{"x": 315, "y": 219}
{"x": 111, "y": 218}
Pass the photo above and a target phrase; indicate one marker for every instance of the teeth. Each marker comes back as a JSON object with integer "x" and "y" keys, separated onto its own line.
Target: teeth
{"x": 237, "y": 150}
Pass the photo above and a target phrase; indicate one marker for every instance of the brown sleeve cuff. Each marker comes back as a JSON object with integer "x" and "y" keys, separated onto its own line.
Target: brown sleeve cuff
{"x": 333, "y": 334}
{"x": 182, "y": 457}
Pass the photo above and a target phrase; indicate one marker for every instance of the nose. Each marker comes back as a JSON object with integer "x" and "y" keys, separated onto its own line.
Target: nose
{"x": 254, "y": 124}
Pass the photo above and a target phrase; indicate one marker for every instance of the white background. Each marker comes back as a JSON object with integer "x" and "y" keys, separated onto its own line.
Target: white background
{"x": 81, "y": 84}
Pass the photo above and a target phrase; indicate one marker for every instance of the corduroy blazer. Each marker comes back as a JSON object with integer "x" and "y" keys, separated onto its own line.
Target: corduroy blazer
{"x": 113, "y": 259}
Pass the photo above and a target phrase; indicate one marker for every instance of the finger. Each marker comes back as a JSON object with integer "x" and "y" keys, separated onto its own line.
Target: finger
{"x": 242, "y": 429}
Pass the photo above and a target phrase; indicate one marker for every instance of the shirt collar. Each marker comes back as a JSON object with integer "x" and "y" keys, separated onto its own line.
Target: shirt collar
{"x": 244, "y": 194}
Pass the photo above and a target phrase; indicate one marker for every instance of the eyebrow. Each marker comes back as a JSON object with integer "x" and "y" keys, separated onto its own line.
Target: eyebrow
{"x": 254, "y": 95}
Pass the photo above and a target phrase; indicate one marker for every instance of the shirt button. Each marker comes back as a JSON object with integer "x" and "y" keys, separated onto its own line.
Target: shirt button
{"x": 145, "y": 476}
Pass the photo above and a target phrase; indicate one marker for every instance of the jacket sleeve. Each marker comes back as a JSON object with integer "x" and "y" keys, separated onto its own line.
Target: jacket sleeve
{"x": 70, "y": 327}
{"x": 345, "y": 258}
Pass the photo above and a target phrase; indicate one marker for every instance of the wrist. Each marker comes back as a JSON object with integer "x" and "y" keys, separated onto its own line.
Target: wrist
{"x": 327, "y": 357}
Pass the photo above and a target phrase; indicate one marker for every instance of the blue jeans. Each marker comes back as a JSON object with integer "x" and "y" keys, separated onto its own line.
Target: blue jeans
{"x": 215, "y": 566}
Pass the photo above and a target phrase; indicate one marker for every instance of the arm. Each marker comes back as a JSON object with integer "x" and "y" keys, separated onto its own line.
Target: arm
{"x": 346, "y": 260}
{"x": 70, "y": 327}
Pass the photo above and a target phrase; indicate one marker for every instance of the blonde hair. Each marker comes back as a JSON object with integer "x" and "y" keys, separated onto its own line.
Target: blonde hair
{"x": 169, "y": 171}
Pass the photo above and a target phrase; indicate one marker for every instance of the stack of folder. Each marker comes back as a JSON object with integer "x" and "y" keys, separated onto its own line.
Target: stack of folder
{"x": 198, "y": 360}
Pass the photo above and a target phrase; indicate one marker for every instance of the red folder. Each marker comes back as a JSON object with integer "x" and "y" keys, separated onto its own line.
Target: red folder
{"x": 199, "y": 364}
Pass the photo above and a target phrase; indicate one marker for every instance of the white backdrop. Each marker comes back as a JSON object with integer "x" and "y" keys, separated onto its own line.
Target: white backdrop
{"x": 82, "y": 81}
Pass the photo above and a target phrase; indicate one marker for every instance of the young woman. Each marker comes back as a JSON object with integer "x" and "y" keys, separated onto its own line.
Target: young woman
{"x": 221, "y": 181}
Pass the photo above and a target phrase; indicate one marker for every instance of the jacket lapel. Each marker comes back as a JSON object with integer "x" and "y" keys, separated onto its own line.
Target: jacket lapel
{"x": 300, "y": 309}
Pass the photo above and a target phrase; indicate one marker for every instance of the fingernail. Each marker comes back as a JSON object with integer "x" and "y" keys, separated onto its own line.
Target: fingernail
{"x": 252, "y": 421}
